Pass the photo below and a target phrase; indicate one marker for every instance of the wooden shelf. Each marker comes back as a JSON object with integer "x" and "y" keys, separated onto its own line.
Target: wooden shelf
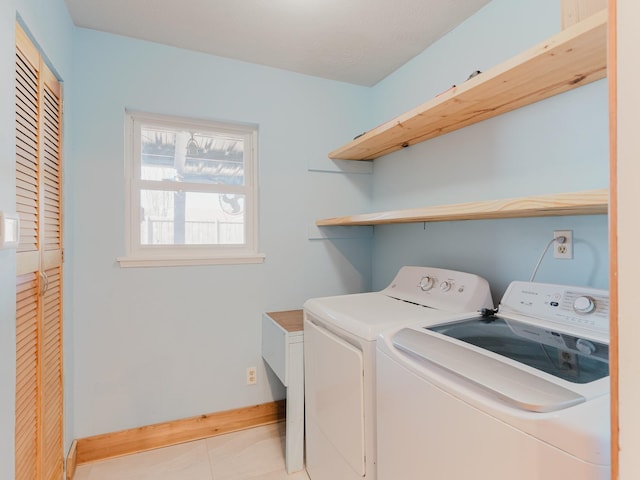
{"x": 592, "y": 202}
{"x": 574, "y": 57}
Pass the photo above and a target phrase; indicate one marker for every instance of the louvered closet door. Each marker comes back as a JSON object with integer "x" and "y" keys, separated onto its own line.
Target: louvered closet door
{"x": 28, "y": 260}
{"x": 51, "y": 266}
{"x": 27, "y": 403}
{"x": 28, "y": 152}
{"x": 39, "y": 407}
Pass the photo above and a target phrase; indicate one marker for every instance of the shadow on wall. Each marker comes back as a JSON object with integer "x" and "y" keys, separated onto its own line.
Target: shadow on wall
{"x": 350, "y": 258}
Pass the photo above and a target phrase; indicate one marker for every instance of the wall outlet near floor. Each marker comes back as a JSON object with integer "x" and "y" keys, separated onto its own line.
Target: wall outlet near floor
{"x": 252, "y": 376}
{"x": 563, "y": 250}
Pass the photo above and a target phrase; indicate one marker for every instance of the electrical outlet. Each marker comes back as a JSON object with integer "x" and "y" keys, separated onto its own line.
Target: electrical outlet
{"x": 252, "y": 376}
{"x": 563, "y": 250}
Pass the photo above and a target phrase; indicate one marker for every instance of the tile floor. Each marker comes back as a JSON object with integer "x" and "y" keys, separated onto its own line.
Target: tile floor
{"x": 254, "y": 454}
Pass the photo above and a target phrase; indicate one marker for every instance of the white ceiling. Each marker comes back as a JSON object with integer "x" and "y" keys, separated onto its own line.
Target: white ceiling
{"x": 355, "y": 41}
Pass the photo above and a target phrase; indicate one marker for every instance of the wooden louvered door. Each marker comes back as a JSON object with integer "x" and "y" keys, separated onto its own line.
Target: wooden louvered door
{"x": 51, "y": 267}
{"x": 26, "y": 450}
{"x": 39, "y": 384}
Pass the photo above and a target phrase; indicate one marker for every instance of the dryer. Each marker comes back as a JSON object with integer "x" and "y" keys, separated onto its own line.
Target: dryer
{"x": 522, "y": 393}
{"x": 339, "y": 355}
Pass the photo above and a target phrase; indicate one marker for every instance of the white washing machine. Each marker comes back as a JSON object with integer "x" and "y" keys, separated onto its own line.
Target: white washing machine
{"x": 339, "y": 356}
{"x": 522, "y": 394}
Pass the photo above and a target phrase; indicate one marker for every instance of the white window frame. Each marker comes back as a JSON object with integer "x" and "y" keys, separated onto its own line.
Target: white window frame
{"x": 139, "y": 255}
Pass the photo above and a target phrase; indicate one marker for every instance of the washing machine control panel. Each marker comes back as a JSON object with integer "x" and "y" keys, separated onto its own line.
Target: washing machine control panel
{"x": 581, "y": 307}
{"x": 442, "y": 289}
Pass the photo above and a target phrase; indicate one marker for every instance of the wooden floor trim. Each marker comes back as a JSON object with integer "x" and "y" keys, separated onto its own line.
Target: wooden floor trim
{"x": 72, "y": 461}
{"x": 115, "y": 444}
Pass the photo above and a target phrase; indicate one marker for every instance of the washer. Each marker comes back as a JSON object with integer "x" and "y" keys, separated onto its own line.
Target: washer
{"x": 339, "y": 336}
{"x": 521, "y": 394}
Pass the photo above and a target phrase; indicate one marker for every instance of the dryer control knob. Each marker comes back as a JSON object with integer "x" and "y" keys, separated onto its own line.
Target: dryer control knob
{"x": 585, "y": 346}
{"x": 446, "y": 286}
{"x": 426, "y": 283}
{"x": 584, "y": 305}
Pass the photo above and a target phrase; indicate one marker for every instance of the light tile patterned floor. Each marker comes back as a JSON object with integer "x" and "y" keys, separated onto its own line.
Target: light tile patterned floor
{"x": 254, "y": 454}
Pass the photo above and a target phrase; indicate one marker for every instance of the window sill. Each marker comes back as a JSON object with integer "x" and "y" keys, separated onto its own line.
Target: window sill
{"x": 150, "y": 261}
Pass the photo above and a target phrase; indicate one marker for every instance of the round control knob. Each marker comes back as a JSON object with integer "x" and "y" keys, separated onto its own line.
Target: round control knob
{"x": 446, "y": 286}
{"x": 585, "y": 346}
{"x": 426, "y": 283}
{"x": 584, "y": 305}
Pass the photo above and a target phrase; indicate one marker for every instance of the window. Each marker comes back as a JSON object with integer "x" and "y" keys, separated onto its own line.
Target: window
{"x": 192, "y": 192}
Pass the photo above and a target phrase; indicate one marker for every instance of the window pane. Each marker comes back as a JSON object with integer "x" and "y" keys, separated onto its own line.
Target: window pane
{"x": 191, "y": 218}
{"x": 191, "y": 156}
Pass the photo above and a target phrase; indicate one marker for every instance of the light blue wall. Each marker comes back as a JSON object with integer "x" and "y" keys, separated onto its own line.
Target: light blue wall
{"x": 557, "y": 145}
{"x": 7, "y": 258}
{"x": 156, "y": 344}
{"x": 51, "y": 28}
{"x": 497, "y": 32}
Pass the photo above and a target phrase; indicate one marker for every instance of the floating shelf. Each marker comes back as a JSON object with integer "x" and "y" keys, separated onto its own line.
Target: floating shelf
{"x": 572, "y": 58}
{"x": 592, "y": 202}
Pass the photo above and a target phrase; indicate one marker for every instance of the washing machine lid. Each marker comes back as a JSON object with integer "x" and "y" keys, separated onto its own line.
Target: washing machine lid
{"x": 569, "y": 357}
{"x": 519, "y": 387}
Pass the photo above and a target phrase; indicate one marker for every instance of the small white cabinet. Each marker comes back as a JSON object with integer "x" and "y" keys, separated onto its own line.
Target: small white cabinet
{"x": 283, "y": 350}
